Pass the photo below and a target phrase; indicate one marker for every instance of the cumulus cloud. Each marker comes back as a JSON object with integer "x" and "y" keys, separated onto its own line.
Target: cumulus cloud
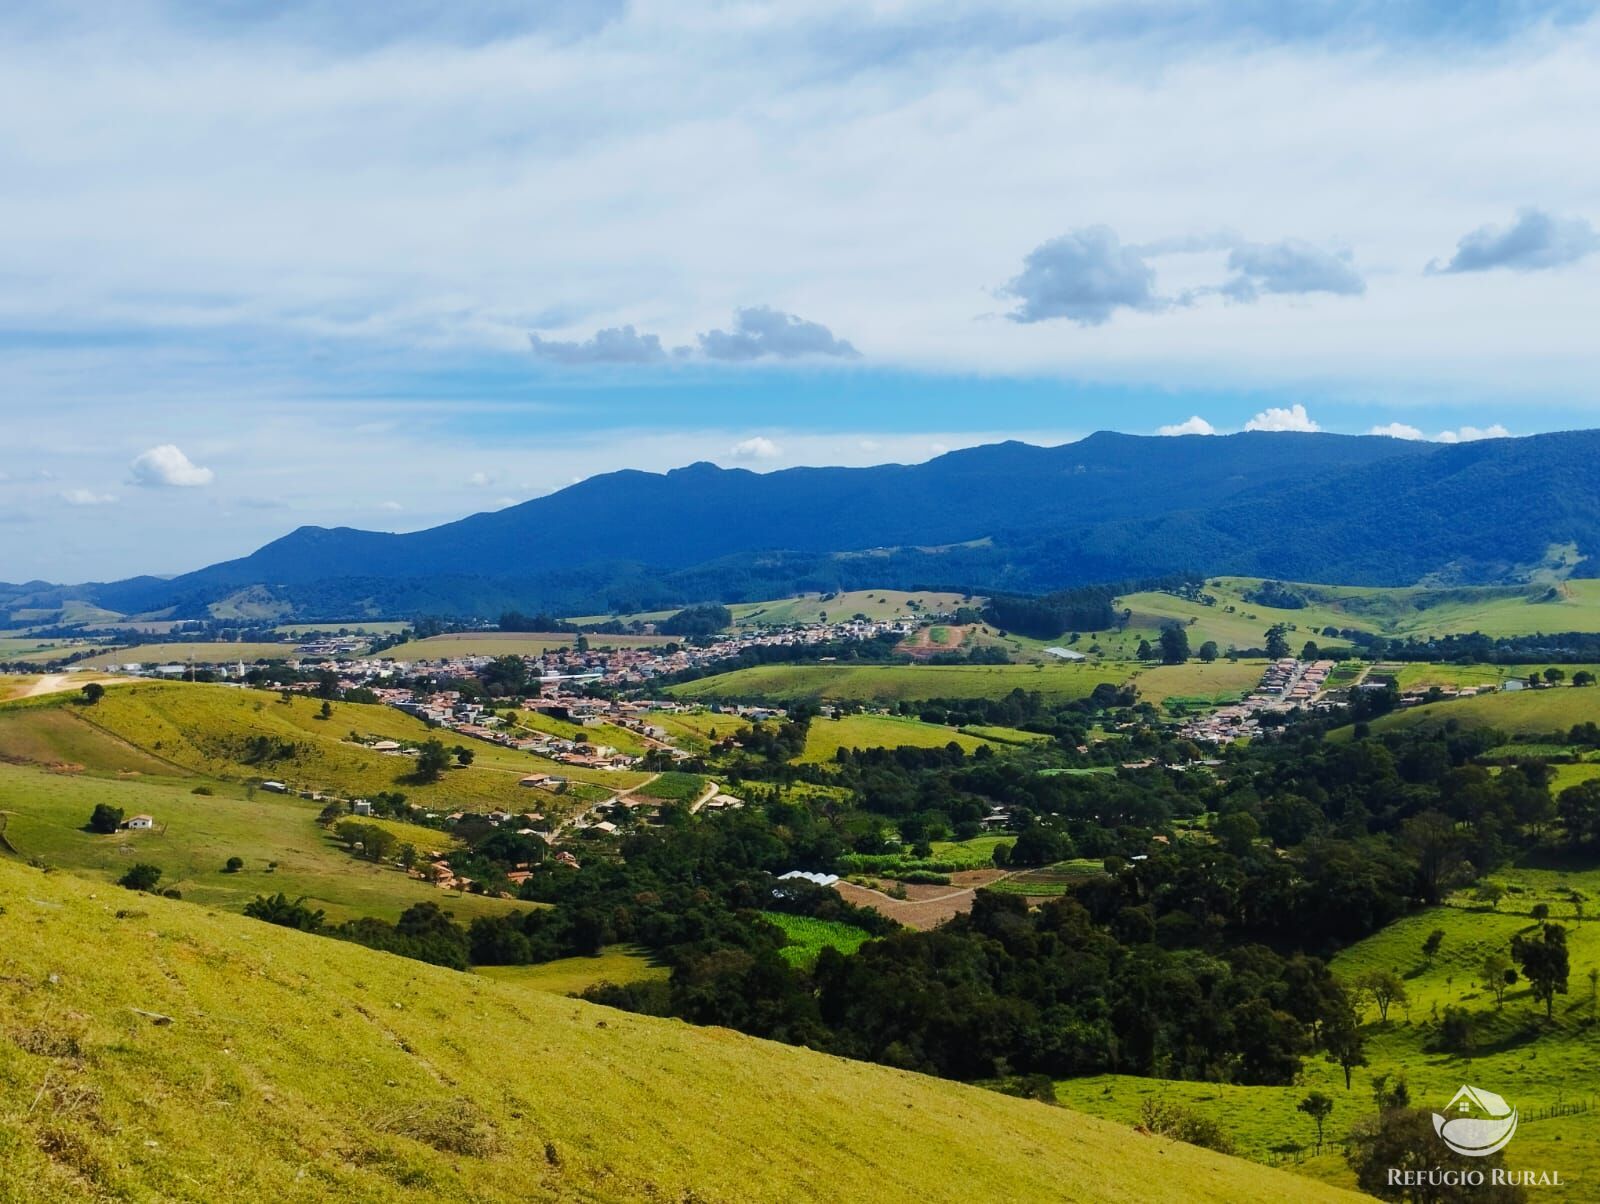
{"x": 1290, "y": 266}
{"x": 1471, "y": 434}
{"x": 1084, "y": 276}
{"x": 760, "y": 331}
{"x": 87, "y": 497}
{"x": 167, "y": 467}
{"x": 480, "y": 480}
{"x": 1276, "y": 418}
{"x": 1397, "y": 430}
{"x": 390, "y": 506}
{"x": 758, "y": 447}
{"x": 1190, "y": 426}
{"x": 614, "y": 345}
{"x": 1535, "y": 241}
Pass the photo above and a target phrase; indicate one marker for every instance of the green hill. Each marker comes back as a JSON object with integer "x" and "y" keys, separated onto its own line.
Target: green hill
{"x": 1531, "y": 712}
{"x": 152, "y": 1050}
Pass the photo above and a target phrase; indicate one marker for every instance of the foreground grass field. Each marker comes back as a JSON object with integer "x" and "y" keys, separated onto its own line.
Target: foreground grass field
{"x": 300, "y": 1069}
{"x": 618, "y": 965}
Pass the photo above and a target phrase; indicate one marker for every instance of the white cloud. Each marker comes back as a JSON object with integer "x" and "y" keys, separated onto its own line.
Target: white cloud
{"x": 390, "y": 506}
{"x": 1398, "y": 430}
{"x": 1276, "y": 418}
{"x": 166, "y": 466}
{"x": 1195, "y": 425}
{"x": 1470, "y": 434}
{"x": 480, "y": 480}
{"x": 87, "y": 497}
{"x": 758, "y": 447}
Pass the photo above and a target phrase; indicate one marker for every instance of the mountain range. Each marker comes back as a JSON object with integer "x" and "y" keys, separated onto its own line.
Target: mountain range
{"x": 1012, "y": 516}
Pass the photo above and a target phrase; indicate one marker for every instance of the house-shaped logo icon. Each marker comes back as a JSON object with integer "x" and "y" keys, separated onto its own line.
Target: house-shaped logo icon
{"x": 1476, "y": 1122}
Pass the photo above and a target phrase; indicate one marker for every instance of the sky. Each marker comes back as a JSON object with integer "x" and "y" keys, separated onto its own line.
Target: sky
{"x": 273, "y": 264}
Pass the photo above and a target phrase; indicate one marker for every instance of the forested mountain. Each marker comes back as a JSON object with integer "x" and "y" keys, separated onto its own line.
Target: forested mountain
{"x": 1007, "y": 516}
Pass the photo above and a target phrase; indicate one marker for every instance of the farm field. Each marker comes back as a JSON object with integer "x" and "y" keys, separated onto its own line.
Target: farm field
{"x": 808, "y": 937}
{"x": 1533, "y": 1065}
{"x": 251, "y": 735}
{"x": 1005, "y": 735}
{"x": 1410, "y": 676}
{"x": 697, "y": 730}
{"x": 520, "y": 1085}
{"x": 26, "y": 649}
{"x": 1532, "y": 712}
{"x": 673, "y": 787}
{"x": 619, "y": 964}
{"x": 203, "y": 654}
{"x": 895, "y": 683}
{"x": 1219, "y": 681}
{"x": 196, "y": 834}
{"x": 824, "y": 737}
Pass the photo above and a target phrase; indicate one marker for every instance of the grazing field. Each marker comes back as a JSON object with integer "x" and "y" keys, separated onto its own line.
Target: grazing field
{"x": 196, "y": 834}
{"x": 808, "y": 937}
{"x": 509, "y": 643}
{"x": 673, "y": 787}
{"x": 824, "y": 737}
{"x": 201, "y": 654}
{"x": 1219, "y": 681}
{"x": 875, "y": 604}
{"x": 252, "y": 735}
{"x": 618, "y": 965}
{"x": 1534, "y": 1065}
{"x": 1422, "y": 676}
{"x": 342, "y": 1073}
{"x": 1524, "y": 712}
{"x": 697, "y": 730}
{"x": 27, "y": 650}
{"x": 895, "y": 683}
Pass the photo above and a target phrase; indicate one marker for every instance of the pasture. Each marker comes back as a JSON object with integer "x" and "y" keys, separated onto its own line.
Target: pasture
{"x": 619, "y": 965}
{"x": 900, "y": 682}
{"x": 1524, "y": 712}
{"x": 300, "y": 1068}
{"x": 824, "y": 737}
{"x": 202, "y": 654}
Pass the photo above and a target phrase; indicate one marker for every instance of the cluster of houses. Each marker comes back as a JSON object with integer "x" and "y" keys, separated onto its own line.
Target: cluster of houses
{"x": 1287, "y": 684}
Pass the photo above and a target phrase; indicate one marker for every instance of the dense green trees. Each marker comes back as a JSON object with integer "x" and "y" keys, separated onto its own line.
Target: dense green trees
{"x": 1174, "y": 644}
{"x": 1545, "y": 963}
{"x": 432, "y": 760}
{"x": 105, "y": 819}
{"x": 141, "y": 876}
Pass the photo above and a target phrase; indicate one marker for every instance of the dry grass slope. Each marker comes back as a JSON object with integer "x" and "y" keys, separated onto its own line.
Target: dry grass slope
{"x": 298, "y": 1069}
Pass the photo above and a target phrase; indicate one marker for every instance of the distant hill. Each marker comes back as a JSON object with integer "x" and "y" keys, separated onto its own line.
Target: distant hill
{"x": 1010, "y": 516}
{"x": 153, "y": 1049}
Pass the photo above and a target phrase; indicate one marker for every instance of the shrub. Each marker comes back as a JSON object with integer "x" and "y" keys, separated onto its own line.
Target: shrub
{"x": 235, "y": 864}
{"x": 1179, "y": 1123}
{"x": 143, "y": 876}
{"x": 106, "y": 819}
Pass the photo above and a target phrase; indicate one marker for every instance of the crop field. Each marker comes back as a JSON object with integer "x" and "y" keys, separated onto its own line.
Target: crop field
{"x": 528, "y": 1095}
{"x": 894, "y": 683}
{"x": 970, "y": 854}
{"x": 251, "y": 735}
{"x": 1049, "y": 881}
{"x": 619, "y": 965}
{"x": 1219, "y": 681}
{"x": 674, "y": 787}
{"x": 808, "y": 936}
{"x": 825, "y": 737}
{"x": 1524, "y": 712}
{"x": 1532, "y": 1064}
{"x": 202, "y": 654}
{"x": 196, "y": 834}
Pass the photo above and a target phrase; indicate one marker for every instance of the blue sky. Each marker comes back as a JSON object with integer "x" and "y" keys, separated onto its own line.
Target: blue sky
{"x": 268, "y": 264}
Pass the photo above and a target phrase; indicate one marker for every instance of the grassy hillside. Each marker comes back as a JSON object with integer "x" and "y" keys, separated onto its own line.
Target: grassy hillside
{"x": 813, "y": 608}
{"x": 202, "y": 654}
{"x": 276, "y": 835}
{"x": 1525, "y": 711}
{"x": 1516, "y": 1054}
{"x": 296, "y": 1068}
{"x": 508, "y": 643}
{"x": 211, "y": 732}
{"x": 893, "y": 683}
{"x": 824, "y": 737}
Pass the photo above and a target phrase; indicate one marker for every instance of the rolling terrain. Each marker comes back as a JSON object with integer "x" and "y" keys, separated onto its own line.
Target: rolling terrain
{"x": 151, "y": 1049}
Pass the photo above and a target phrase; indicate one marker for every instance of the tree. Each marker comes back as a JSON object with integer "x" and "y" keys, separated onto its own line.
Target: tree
{"x": 1277, "y": 641}
{"x": 1545, "y": 964}
{"x": 1583, "y": 678}
{"x": 1579, "y": 810}
{"x": 432, "y": 761}
{"x": 1430, "y": 947}
{"x": 1385, "y": 988}
{"x": 1237, "y": 831}
{"x": 1310, "y": 652}
{"x": 464, "y": 756}
{"x": 93, "y": 693}
{"x": 1174, "y": 644}
{"x": 1316, "y": 1106}
{"x": 1553, "y": 675}
{"x": 1498, "y": 976}
{"x": 1540, "y": 912}
{"x": 279, "y": 909}
{"x": 143, "y": 876}
{"x": 234, "y": 865}
{"x": 1341, "y": 1034}
{"x": 327, "y": 710}
{"x": 1208, "y": 651}
{"x": 1432, "y": 840}
{"x": 1402, "y": 1142}
{"x": 1144, "y": 651}
{"x": 105, "y": 819}
{"x": 1490, "y": 893}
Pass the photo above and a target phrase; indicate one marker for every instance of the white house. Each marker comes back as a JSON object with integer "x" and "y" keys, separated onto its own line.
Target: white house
{"x": 361, "y": 807}
{"x": 140, "y": 823}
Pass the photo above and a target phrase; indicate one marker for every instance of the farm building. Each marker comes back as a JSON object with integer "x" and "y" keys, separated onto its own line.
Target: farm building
{"x": 275, "y": 787}
{"x": 140, "y": 823}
